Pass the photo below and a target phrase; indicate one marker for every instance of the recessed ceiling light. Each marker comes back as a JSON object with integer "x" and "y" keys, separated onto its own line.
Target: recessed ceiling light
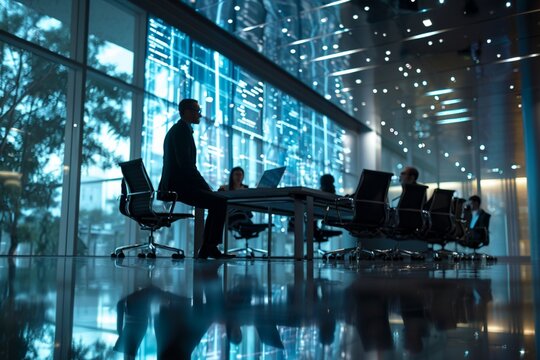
{"x": 366, "y": 8}
{"x": 454, "y": 120}
{"x": 488, "y": 41}
{"x": 451, "y": 101}
{"x": 446, "y": 154}
{"x": 452, "y": 112}
{"x": 457, "y": 163}
{"x": 427, "y": 22}
{"x": 439, "y": 92}
{"x": 469, "y": 137}
{"x": 236, "y": 8}
{"x": 482, "y": 147}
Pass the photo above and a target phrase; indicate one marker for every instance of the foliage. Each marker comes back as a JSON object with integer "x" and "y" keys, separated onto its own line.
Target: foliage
{"x": 33, "y": 112}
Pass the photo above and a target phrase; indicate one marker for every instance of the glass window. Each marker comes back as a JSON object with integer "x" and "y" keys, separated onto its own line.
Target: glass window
{"x": 105, "y": 143}
{"x": 43, "y": 22}
{"x": 32, "y": 125}
{"x": 111, "y": 39}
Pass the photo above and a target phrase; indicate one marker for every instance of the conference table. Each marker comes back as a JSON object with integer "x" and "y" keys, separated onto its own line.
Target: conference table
{"x": 294, "y": 201}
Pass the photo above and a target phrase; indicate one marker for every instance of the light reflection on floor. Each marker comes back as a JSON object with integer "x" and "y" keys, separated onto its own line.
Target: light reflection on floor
{"x": 160, "y": 309}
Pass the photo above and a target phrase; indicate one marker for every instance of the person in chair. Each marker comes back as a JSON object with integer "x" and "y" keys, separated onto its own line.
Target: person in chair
{"x": 180, "y": 174}
{"x": 478, "y": 220}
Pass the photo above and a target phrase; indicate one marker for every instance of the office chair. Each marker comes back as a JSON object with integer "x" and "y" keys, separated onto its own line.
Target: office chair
{"x": 243, "y": 228}
{"x": 475, "y": 239}
{"x": 370, "y": 213}
{"x": 137, "y": 203}
{"x": 408, "y": 220}
{"x": 441, "y": 224}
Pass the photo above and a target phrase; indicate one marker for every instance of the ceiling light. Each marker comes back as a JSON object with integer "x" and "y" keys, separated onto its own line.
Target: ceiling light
{"x": 451, "y": 101}
{"x": 452, "y": 112}
{"x": 236, "y": 8}
{"x": 383, "y": 123}
{"x": 355, "y": 17}
{"x": 508, "y": 4}
{"x": 430, "y": 43}
{"x": 439, "y": 92}
{"x": 388, "y": 52}
{"x": 427, "y": 22}
{"x": 405, "y": 150}
{"x": 358, "y": 81}
{"x": 488, "y": 41}
{"x": 446, "y": 154}
{"x": 515, "y": 166}
{"x": 457, "y": 163}
{"x": 485, "y": 158}
{"x": 482, "y": 147}
{"x": 454, "y": 120}
{"x": 469, "y": 137}
{"x": 351, "y": 71}
{"x": 366, "y": 8}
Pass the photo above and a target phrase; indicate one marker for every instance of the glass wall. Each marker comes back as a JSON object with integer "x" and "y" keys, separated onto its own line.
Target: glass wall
{"x": 246, "y": 122}
{"x": 32, "y": 124}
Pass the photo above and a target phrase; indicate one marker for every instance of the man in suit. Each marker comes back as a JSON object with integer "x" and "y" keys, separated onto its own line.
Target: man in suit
{"x": 409, "y": 175}
{"x": 478, "y": 220}
{"x": 180, "y": 174}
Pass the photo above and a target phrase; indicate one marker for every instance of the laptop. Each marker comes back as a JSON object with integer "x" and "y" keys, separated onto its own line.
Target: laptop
{"x": 271, "y": 178}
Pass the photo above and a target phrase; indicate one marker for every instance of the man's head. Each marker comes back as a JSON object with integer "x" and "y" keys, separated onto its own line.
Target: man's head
{"x": 475, "y": 202}
{"x": 408, "y": 175}
{"x": 190, "y": 111}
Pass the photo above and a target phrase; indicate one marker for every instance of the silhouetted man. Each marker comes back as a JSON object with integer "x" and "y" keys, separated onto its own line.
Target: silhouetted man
{"x": 409, "y": 175}
{"x": 180, "y": 175}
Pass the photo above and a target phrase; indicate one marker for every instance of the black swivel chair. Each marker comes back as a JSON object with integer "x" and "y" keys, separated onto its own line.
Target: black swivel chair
{"x": 408, "y": 220}
{"x": 441, "y": 224}
{"x": 137, "y": 203}
{"x": 239, "y": 222}
{"x": 370, "y": 212}
{"x": 475, "y": 239}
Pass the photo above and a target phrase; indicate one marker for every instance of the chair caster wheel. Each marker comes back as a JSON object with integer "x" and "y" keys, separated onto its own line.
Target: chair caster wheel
{"x": 151, "y": 255}
{"x": 177, "y": 256}
{"x": 113, "y": 255}
{"x": 141, "y": 255}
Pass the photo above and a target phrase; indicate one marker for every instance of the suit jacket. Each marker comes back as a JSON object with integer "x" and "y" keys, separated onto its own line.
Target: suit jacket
{"x": 180, "y": 172}
{"x": 483, "y": 220}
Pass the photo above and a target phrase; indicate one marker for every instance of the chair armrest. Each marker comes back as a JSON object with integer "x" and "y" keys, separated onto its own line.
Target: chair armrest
{"x": 168, "y": 196}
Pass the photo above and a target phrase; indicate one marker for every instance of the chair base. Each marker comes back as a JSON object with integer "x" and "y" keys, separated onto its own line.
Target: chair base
{"x": 250, "y": 252}
{"x": 479, "y": 257}
{"x": 356, "y": 253}
{"x": 148, "y": 249}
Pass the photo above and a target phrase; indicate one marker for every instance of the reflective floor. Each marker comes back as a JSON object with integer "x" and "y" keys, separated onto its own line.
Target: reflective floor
{"x": 99, "y": 308}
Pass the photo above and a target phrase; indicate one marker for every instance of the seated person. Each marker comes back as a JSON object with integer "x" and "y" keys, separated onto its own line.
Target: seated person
{"x": 478, "y": 220}
{"x": 237, "y": 218}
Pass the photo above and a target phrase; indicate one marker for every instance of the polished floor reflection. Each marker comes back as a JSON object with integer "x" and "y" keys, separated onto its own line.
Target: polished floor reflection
{"x": 99, "y": 308}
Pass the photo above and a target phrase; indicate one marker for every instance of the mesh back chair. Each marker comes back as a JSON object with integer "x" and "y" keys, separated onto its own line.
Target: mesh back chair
{"x": 441, "y": 224}
{"x": 370, "y": 212}
{"x": 408, "y": 220}
{"x": 239, "y": 222}
{"x": 475, "y": 239}
{"x": 137, "y": 203}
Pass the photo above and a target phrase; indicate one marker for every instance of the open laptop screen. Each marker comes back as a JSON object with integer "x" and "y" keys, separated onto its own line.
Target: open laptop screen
{"x": 271, "y": 178}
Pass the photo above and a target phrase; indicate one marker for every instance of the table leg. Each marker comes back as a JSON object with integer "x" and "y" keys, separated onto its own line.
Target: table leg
{"x": 199, "y": 230}
{"x": 269, "y": 232}
{"x": 309, "y": 227}
{"x": 298, "y": 229}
